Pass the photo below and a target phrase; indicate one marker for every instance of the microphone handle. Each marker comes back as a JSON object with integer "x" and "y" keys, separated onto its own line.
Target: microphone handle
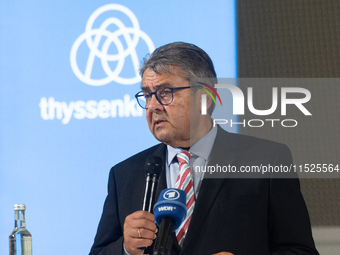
{"x": 149, "y": 192}
{"x": 165, "y": 229}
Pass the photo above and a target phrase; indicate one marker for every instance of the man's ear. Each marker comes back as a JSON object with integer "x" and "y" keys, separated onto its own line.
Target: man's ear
{"x": 209, "y": 101}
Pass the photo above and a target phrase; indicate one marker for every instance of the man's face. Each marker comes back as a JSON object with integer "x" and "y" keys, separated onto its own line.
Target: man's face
{"x": 169, "y": 124}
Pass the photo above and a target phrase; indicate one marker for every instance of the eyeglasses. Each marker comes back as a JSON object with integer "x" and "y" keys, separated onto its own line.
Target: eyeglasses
{"x": 164, "y": 96}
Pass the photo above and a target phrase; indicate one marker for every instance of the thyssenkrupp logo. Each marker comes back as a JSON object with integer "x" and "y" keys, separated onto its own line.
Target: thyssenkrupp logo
{"x": 99, "y": 42}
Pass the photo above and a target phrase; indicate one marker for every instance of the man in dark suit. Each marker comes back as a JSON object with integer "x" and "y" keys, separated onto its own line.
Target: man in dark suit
{"x": 231, "y": 215}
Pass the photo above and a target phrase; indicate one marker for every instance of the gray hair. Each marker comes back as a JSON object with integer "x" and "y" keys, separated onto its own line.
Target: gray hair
{"x": 192, "y": 60}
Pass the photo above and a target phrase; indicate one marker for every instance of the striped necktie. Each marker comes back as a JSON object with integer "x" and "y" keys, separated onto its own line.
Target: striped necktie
{"x": 184, "y": 182}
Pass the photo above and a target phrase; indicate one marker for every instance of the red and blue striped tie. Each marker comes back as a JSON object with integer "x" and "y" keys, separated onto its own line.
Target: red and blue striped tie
{"x": 184, "y": 182}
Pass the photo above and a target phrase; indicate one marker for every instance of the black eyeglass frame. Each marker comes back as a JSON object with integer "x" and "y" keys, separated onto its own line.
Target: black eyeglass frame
{"x": 141, "y": 94}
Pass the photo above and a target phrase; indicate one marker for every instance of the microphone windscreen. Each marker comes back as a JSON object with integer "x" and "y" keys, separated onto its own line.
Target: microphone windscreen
{"x": 153, "y": 165}
{"x": 171, "y": 203}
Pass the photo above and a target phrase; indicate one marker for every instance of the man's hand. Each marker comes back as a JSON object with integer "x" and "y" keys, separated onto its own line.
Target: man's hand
{"x": 223, "y": 253}
{"x": 139, "y": 231}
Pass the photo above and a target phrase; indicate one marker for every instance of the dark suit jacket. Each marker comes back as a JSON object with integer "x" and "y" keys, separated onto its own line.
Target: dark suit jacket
{"x": 238, "y": 215}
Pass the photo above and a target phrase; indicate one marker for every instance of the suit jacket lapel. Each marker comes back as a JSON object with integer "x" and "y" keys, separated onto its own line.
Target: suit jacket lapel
{"x": 220, "y": 154}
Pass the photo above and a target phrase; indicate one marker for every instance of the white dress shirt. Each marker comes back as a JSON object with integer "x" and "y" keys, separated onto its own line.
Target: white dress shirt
{"x": 199, "y": 156}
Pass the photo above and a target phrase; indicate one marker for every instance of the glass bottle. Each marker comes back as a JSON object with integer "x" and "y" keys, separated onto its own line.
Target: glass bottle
{"x": 20, "y": 240}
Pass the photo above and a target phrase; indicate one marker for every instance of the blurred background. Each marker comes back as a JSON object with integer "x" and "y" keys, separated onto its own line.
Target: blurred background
{"x": 68, "y": 76}
{"x": 299, "y": 39}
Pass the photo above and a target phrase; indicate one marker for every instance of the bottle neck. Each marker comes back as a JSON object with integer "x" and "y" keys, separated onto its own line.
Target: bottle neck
{"x": 16, "y": 219}
{"x": 23, "y": 224}
{"x": 19, "y": 219}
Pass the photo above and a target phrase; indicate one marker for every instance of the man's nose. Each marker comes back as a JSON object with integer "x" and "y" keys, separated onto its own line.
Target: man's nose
{"x": 154, "y": 105}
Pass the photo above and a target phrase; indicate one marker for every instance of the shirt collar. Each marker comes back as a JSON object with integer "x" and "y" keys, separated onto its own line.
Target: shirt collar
{"x": 201, "y": 148}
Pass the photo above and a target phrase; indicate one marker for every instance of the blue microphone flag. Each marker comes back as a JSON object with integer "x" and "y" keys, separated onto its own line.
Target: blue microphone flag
{"x": 171, "y": 203}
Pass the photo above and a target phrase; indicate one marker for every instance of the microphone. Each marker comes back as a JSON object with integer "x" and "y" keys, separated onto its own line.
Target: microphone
{"x": 170, "y": 211}
{"x": 153, "y": 168}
